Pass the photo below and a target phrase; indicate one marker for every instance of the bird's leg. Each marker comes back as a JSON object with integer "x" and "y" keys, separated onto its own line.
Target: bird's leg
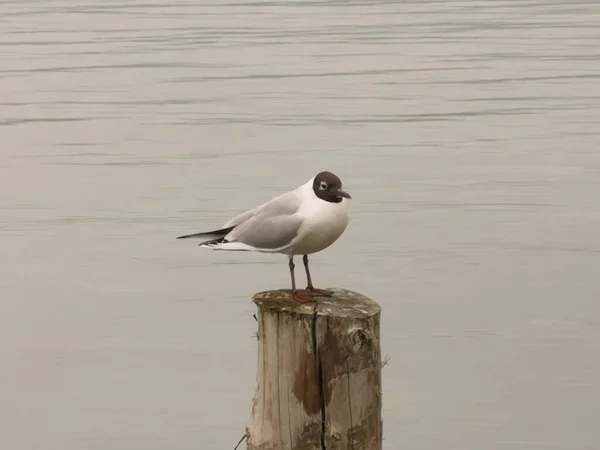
{"x": 310, "y": 286}
{"x": 292, "y": 266}
{"x": 299, "y": 297}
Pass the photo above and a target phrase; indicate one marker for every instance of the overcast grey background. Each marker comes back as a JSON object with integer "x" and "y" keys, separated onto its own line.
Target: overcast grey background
{"x": 467, "y": 133}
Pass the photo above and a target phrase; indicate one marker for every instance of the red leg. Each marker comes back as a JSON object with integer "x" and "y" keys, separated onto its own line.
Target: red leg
{"x": 310, "y": 286}
{"x": 300, "y": 296}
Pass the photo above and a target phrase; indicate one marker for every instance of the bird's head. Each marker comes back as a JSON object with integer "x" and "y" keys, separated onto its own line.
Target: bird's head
{"x": 327, "y": 186}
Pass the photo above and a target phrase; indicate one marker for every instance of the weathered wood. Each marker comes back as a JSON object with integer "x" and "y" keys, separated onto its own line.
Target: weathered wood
{"x": 319, "y": 373}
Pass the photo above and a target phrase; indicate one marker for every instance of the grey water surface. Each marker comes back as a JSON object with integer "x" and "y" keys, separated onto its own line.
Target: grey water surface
{"x": 467, "y": 133}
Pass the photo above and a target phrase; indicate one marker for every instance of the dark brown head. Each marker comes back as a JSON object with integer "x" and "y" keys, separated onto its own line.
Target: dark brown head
{"x": 328, "y": 187}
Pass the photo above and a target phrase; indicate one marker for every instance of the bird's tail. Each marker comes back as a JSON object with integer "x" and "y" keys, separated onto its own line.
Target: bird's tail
{"x": 209, "y": 235}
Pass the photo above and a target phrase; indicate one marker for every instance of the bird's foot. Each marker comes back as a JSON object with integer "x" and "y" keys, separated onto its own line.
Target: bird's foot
{"x": 302, "y": 296}
{"x": 316, "y": 291}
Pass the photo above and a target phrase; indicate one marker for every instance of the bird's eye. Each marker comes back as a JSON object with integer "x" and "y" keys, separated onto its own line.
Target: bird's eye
{"x": 323, "y": 186}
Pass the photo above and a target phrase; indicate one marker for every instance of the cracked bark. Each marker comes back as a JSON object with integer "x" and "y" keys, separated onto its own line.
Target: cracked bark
{"x": 319, "y": 374}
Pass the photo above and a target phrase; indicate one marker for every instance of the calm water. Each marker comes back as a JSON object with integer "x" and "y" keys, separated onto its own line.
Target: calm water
{"x": 467, "y": 133}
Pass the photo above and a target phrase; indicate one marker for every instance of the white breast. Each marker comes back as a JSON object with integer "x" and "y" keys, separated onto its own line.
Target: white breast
{"x": 324, "y": 223}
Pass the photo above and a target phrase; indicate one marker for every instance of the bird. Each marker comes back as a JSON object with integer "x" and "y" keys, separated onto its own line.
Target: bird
{"x": 302, "y": 221}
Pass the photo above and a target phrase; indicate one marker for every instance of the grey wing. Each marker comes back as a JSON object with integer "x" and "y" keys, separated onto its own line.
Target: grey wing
{"x": 267, "y": 231}
{"x": 286, "y": 203}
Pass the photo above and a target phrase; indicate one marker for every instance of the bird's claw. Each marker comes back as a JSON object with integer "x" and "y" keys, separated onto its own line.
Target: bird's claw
{"x": 302, "y": 296}
{"x": 322, "y": 292}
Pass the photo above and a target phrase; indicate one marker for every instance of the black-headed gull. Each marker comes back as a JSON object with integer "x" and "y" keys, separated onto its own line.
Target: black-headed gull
{"x": 300, "y": 222}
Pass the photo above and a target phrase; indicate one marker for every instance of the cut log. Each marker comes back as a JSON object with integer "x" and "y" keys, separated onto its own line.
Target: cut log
{"x": 319, "y": 373}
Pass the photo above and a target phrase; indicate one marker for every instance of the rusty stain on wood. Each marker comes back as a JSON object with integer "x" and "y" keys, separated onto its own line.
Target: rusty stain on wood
{"x": 305, "y": 388}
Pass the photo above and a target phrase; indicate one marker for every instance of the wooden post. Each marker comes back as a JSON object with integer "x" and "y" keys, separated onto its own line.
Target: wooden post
{"x": 319, "y": 373}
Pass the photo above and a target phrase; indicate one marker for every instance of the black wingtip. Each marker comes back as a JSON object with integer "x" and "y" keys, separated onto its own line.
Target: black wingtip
{"x": 207, "y": 234}
{"x": 190, "y": 236}
{"x": 186, "y": 236}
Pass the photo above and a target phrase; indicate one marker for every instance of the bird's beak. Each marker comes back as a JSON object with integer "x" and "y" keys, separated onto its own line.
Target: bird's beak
{"x": 342, "y": 193}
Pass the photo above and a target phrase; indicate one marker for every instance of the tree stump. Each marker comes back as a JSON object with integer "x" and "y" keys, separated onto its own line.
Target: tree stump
{"x": 319, "y": 373}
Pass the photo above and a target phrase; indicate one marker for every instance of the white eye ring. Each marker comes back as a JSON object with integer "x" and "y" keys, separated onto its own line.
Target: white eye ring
{"x": 323, "y": 185}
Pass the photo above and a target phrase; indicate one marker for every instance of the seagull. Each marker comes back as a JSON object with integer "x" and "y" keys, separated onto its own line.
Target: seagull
{"x": 303, "y": 221}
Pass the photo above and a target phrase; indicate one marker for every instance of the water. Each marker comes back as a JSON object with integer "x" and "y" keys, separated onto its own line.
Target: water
{"x": 467, "y": 133}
